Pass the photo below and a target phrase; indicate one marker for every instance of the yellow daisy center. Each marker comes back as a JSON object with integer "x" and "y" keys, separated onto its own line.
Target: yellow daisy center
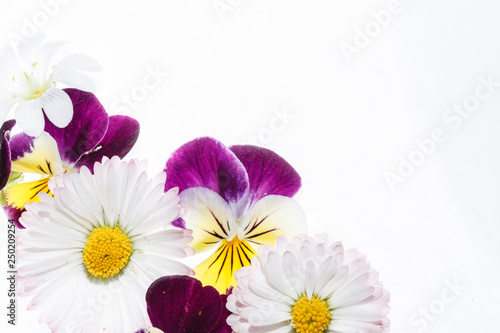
{"x": 310, "y": 316}
{"x": 106, "y": 252}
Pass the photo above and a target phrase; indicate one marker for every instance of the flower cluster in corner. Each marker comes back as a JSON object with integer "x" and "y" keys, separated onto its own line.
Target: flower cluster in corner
{"x": 102, "y": 245}
{"x": 90, "y": 136}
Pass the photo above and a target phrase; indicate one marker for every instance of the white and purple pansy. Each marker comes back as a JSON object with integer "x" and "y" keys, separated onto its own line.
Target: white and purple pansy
{"x": 90, "y": 136}
{"x": 234, "y": 199}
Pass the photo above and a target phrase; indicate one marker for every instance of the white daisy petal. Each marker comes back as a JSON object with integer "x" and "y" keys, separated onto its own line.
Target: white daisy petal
{"x": 308, "y": 282}
{"x": 78, "y": 281}
{"x": 294, "y": 273}
{"x": 57, "y": 106}
{"x": 262, "y": 289}
{"x": 310, "y": 278}
{"x": 278, "y": 278}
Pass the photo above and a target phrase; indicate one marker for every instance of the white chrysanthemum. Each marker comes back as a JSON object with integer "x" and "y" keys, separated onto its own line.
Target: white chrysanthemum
{"x": 28, "y": 78}
{"x": 89, "y": 253}
{"x": 308, "y": 285}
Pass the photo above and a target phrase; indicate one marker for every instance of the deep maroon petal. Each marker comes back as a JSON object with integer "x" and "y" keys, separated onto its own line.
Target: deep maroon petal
{"x": 222, "y": 326}
{"x": 14, "y": 214}
{"x": 206, "y": 162}
{"x": 180, "y": 304}
{"x": 119, "y": 139}
{"x": 86, "y": 129}
{"x": 5, "y": 156}
{"x": 268, "y": 172}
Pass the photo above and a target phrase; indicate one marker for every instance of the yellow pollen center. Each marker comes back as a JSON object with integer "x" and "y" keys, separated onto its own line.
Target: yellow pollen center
{"x": 310, "y": 316}
{"x": 106, "y": 252}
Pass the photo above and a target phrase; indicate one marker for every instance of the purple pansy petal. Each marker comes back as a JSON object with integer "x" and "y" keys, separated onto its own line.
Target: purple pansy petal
{"x": 7, "y": 126}
{"x": 86, "y": 129}
{"x": 179, "y": 223}
{"x": 268, "y": 173}
{"x": 119, "y": 139}
{"x": 206, "y": 162}
{"x": 14, "y": 214}
{"x": 20, "y": 144}
{"x": 180, "y": 304}
{"x": 5, "y": 157}
{"x": 222, "y": 326}
{"x": 150, "y": 330}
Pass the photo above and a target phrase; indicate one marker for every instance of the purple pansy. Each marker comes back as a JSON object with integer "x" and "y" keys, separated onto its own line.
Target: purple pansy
{"x": 5, "y": 152}
{"x": 90, "y": 136}
{"x": 180, "y": 304}
{"x": 234, "y": 199}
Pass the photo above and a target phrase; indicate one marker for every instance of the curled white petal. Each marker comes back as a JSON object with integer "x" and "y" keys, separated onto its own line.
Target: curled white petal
{"x": 57, "y": 106}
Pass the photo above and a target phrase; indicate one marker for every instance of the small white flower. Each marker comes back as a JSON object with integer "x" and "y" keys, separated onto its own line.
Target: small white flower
{"x": 308, "y": 285}
{"x": 89, "y": 253}
{"x": 28, "y": 77}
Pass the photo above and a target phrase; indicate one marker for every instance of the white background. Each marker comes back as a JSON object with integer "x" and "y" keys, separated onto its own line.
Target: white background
{"x": 353, "y": 122}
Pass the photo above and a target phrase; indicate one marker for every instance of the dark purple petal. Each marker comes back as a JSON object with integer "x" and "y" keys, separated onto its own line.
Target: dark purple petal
{"x": 222, "y": 326}
{"x": 19, "y": 145}
{"x": 5, "y": 156}
{"x": 206, "y": 162}
{"x": 180, "y": 304}
{"x": 86, "y": 129}
{"x": 14, "y": 214}
{"x": 119, "y": 139}
{"x": 268, "y": 173}
{"x": 179, "y": 223}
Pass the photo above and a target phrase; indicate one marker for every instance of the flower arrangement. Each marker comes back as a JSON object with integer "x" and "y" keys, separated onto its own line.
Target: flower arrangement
{"x": 95, "y": 226}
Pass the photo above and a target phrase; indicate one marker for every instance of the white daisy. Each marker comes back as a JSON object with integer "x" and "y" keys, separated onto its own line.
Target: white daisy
{"x": 89, "y": 253}
{"x": 28, "y": 77}
{"x": 308, "y": 285}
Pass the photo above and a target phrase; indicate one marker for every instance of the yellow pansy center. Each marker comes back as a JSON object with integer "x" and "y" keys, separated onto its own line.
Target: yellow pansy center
{"x": 106, "y": 252}
{"x": 310, "y": 316}
{"x": 218, "y": 270}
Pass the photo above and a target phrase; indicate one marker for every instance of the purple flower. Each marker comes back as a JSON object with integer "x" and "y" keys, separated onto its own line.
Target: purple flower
{"x": 234, "y": 199}
{"x": 179, "y": 303}
{"x": 90, "y": 136}
{"x": 5, "y": 152}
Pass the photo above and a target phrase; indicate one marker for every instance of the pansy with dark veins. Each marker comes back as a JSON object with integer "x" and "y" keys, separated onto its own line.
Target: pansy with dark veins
{"x": 234, "y": 199}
